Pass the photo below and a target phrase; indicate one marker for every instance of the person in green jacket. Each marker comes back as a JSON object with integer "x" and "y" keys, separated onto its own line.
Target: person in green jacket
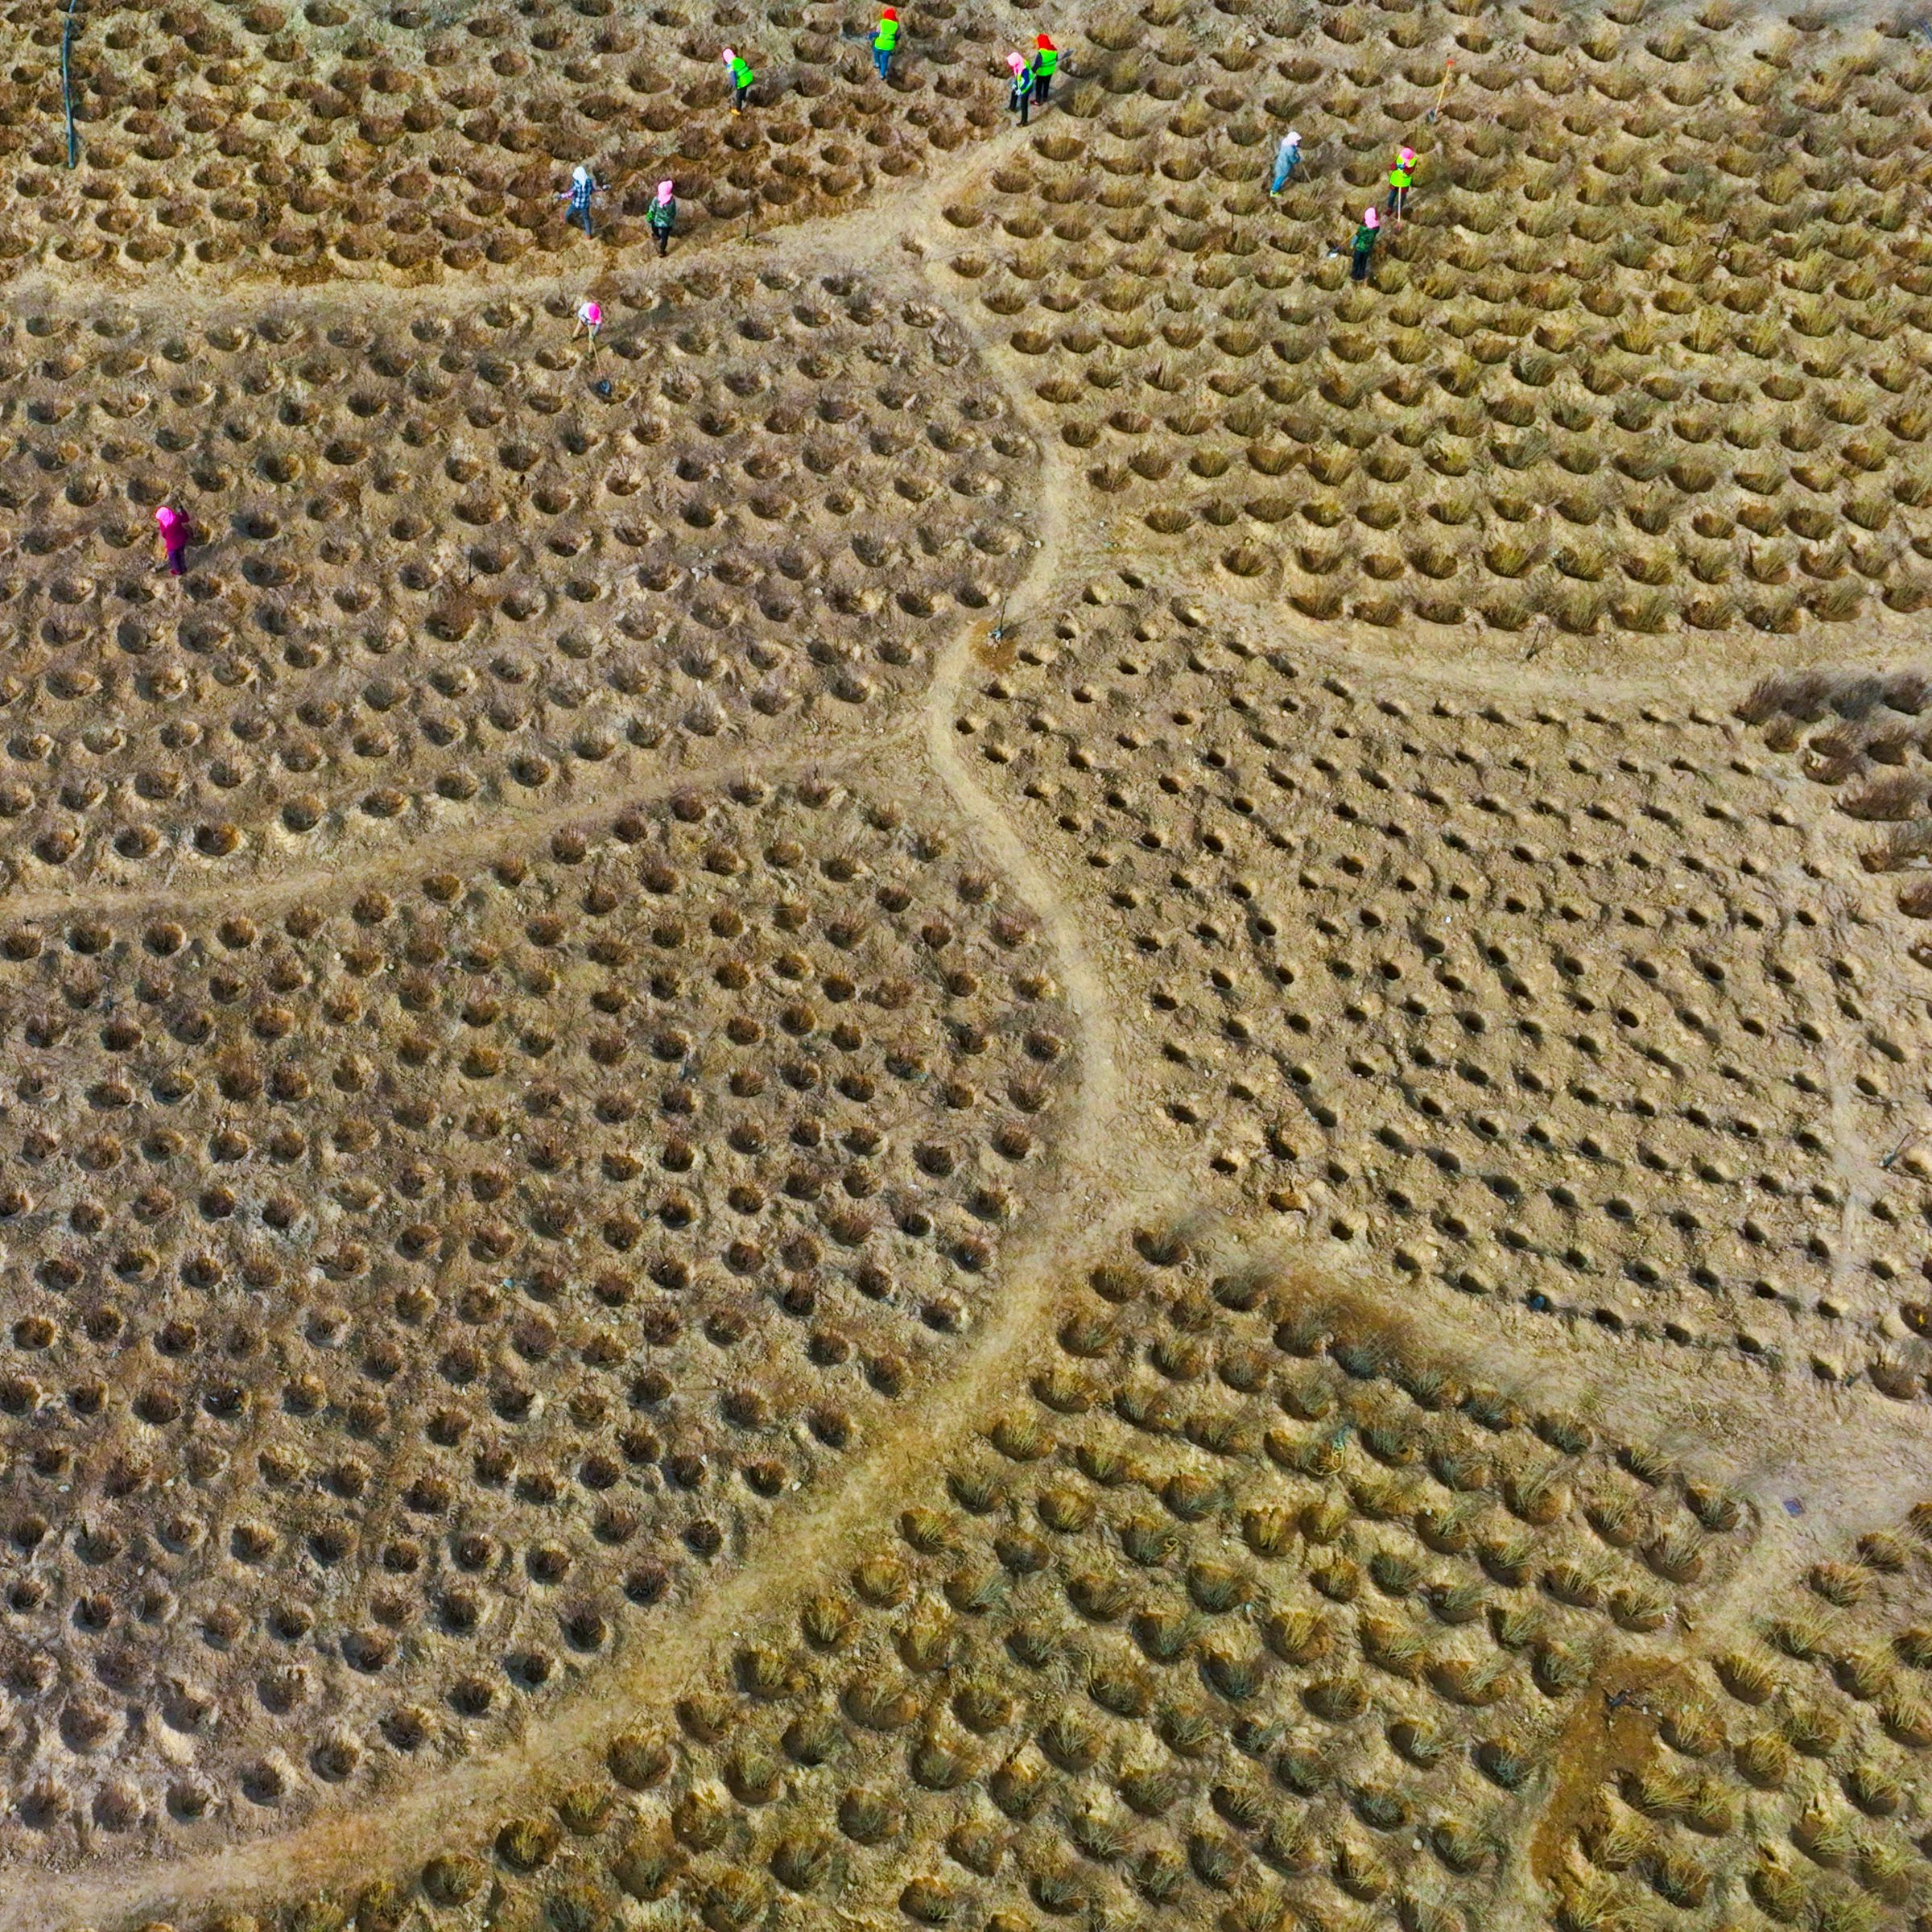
{"x": 885, "y": 42}
{"x": 1046, "y": 60}
{"x": 663, "y": 215}
{"x": 741, "y": 78}
{"x": 1362, "y": 248}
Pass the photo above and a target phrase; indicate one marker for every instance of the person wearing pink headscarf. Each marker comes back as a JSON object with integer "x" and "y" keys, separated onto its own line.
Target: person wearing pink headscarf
{"x": 1363, "y": 247}
{"x": 1020, "y": 100}
{"x": 663, "y": 215}
{"x": 1401, "y": 177}
{"x": 590, "y": 319}
{"x": 175, "y": 531}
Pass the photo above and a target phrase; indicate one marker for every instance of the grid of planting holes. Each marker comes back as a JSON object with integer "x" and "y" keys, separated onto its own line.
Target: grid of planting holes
{"x": 413, "y": 1287}
{"x": 1779, "y": 1777}
{"x": 793, "y": 490}
{"x": 1866, "y": 738}
{"x": 1553, "y": 1003}
{"x": 1253, "y": 1611}
{"x": 335, "y": 140}
{"x": 1640, "y": 359}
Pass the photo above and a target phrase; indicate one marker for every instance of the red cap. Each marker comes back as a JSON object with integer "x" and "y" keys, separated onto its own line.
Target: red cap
{"x": 1044, "y": 42}
{"x": 889, "y": 13}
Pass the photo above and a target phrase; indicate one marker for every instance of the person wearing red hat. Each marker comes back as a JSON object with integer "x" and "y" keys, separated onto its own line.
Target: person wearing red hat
{"x": 1046, "y": 59}
{"x": 886, "y": 41}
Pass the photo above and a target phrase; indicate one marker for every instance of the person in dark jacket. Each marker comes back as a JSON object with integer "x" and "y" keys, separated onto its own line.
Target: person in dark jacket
{"x": 1045, "y": 63}
{"x": 663, "y": 217}
{"x": 1362, "y": 248}
{"x": 1020, "y": 99}
{"x": 583, "y": 185}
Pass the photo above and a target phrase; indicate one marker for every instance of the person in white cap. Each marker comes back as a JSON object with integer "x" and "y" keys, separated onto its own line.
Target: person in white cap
{"x": 663, "y": 215}
{"x": 583, "y": 185}
{"x": 1287, "y": 162}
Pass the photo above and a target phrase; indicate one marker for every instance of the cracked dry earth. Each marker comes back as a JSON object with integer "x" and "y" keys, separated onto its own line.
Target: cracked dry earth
{"x": 1037, "y": 1074}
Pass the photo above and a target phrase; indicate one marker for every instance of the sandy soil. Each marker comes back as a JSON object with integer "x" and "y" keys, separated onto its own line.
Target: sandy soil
{"x": 1036, "y": 1071}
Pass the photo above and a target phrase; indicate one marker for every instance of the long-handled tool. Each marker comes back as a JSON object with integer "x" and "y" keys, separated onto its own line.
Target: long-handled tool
{"x": 1448, "y": 75}
{"x": 67, "y": 91}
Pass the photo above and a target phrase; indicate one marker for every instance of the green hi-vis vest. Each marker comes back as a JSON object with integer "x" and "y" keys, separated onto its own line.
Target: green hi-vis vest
{"x": 1399, "y": 177}
{"x": 1046, "y": 60}
{"x": 742, "y": 75}
{"x": 887, "y": 38}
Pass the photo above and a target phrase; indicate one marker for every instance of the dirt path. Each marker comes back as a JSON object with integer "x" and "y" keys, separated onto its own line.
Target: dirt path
{"x": 1093, "y": 1200}
{"x": 1852, "y": 1467}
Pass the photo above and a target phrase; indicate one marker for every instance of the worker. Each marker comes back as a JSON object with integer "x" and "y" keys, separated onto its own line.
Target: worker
{"x": 886, "y": 41}
{"x": 1399, "y": 176}
{"x": 663, "y": 217}
{"x": 174, "y": 530}
{"x": 741, "y": 78}
{"x": 1046, "y": 59}
{"x": 583, "y": 185}
{"x": 1020, "y": 99}
{"x": 1287, "y": 162}
{"x": 1363, "y": 246}
{"x": 590, "y": 319}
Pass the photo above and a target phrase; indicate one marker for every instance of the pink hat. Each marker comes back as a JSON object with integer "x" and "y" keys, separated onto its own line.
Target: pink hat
{"x": 1014, "y": 62}
{"x": 591, "y": 313}
{"x": 167, "y": 518}
{"x": 1408, "y": 155}
{"x": 729, "y": 55}
{"x": 663, "y": 191}
{"x": 1371, "y": 218}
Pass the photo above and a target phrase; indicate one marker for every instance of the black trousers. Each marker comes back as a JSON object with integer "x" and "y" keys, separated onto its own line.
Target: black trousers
{"x": 1360, "y": 271}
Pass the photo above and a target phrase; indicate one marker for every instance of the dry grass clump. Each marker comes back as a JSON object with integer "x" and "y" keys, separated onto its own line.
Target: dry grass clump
{"x": 643, "y": 1214}
{"x": 1805, "y": 1815}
